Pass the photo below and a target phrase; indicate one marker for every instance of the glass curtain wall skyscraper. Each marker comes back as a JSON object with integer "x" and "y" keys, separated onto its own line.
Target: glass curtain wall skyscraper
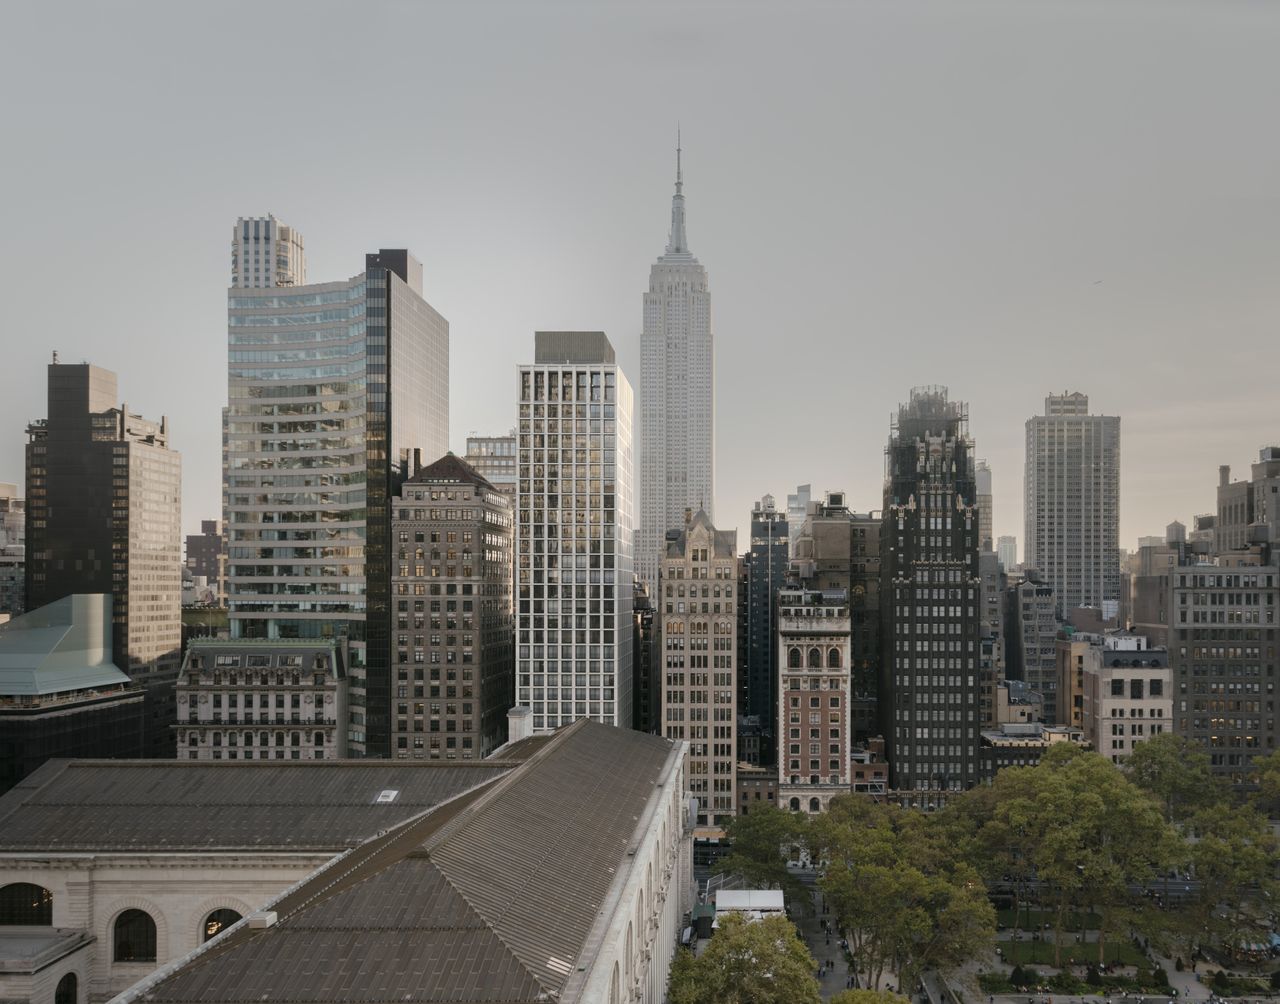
{"x": 677, "y": 395}
{"x": 574, "y": 562}
{"x": 331, "y": 386}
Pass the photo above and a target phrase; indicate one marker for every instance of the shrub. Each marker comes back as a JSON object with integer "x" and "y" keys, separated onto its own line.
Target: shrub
{"x": 1275, "y": 980}
{"x": 1093, "y": 977}
{"x": 1177, "y": 964}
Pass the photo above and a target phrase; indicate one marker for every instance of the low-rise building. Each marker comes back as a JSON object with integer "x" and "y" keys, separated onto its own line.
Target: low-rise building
{"x": 60, "y": 693}
{"x": 813, "y": 684}
{"x": 1128, "y": 697}
{"x": 346, "y": 879}
{"x": 262, "y": 699}
{"x": 756, "y": 786}
{"x": 1022, "y": 745}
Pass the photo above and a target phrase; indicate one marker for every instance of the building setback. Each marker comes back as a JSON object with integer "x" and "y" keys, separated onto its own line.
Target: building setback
{"x": 1072, "y": 504}
{"x": 453, "y": 626}
{"x": 930, "y": 598}
{"x": 677, "y": 394}
{"x": 266, "y": 253}
{"x": 699, "y": 625}
{"x": 494, "y": 459}
{"x": 574, "y": 533}
{"x": 104, "y": 516}
{"x": 331, "y": 387}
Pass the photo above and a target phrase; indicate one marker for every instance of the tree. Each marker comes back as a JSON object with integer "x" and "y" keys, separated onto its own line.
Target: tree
{"x": 868, "y": 997}
{"x": 1267, "y": 775}
{"x": 1175, "y": 771}
{"x": 756, "y": 843}
{"x": 747, "y": 962}
{"x": 899, "y": 889}
{"x": 1086, "y": 833}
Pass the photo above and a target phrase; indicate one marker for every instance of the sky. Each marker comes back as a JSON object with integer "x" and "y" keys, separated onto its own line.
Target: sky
{"x": 1009, "y": 198}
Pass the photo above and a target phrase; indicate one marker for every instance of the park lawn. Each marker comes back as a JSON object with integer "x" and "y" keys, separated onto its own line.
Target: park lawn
{"x": 1040, "y": 953}
{"x": 1032, "y": 919}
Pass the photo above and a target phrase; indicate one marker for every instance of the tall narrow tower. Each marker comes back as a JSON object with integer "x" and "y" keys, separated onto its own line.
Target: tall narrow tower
{"x": 677, "y": 395}
{"x": 1072, "y": 509}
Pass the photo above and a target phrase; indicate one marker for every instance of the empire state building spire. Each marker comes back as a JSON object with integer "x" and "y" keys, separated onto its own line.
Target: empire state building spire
{"x": 676, "y": 242}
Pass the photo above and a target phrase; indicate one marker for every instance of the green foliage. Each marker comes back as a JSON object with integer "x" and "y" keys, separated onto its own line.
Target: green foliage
{"x": 1175, "y": 771}
{"x": 1077, "y": 825}
{"x": 756, "y": 843}
{"x": 898, "y": 887}
{"x": 1020, "y": 977}
{"x": 1268, "y": 779}
{"x": 868, "y": 997}
{"x": 761, "y": 962}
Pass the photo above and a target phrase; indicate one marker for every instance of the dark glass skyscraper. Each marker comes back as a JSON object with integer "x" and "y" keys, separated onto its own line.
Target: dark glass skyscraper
{"x": 766, "y": 574}
{"x": 332, "y": 386}
{"x": 104, "y": 516}
{"x": 929, "y": 597}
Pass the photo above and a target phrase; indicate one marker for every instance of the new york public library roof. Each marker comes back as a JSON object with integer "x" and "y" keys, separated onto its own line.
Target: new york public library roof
{"x": 485, "y": 887}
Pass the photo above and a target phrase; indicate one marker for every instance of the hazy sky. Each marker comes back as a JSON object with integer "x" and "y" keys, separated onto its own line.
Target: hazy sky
{"x": 1008, "y": 198}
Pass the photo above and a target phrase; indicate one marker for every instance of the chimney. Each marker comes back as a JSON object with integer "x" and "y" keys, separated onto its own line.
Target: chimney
{"x": 519, "y": 724}
{"x": 688, "y": 516}
{"x": 1224, "y": 475}
{"x": 417, "y": 461}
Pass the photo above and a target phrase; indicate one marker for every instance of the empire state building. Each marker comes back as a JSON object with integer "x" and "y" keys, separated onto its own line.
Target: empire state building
{"x": 677, "y": 395}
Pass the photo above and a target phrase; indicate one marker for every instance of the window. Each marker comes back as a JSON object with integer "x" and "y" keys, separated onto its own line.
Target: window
{"x": 23, "y": 903}
{"x": 833, "y": 659}
{"x": 134, "y": 937}
{"x": 217, "y": 922}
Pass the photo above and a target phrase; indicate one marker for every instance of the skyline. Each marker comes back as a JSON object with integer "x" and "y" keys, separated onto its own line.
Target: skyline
{"x": 1130, "y": 225}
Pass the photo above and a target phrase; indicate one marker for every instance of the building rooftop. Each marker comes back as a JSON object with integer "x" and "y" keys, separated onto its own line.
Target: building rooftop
{"x": 451, "y": 469}
{"x": 724, "y": 543}
{"x": 187, "y": 805}
{"x": 492, "y": 896}
{"x": 28, "y": 949}
{"x": 60, "y": 647}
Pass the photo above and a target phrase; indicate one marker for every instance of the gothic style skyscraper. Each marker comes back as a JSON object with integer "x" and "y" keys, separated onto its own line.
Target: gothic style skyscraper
{"x": 929, "y": 597}
{"x": 677, "y": 395}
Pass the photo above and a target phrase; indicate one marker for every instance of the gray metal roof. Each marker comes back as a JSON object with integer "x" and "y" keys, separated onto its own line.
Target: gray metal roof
{"x": 168, "y": 805}
{"x": 490, "y": 897}
{"x": 60, "y": 647}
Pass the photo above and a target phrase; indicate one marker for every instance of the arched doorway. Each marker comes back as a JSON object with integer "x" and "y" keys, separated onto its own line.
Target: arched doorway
{"x": 68, "y": 990}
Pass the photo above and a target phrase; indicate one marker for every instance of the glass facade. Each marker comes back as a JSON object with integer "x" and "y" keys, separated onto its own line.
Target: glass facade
{"x": 331, "y": 387}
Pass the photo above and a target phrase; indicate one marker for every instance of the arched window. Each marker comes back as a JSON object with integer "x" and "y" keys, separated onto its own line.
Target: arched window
{"x": 793, "y": 659}
{"x": 815, "y": 805}
{"x": 217, "y": 922}
{"x": 68, "y": 991}
{"x": 795, "y": 805}
{"x": 135, "y": 937}
{"x": 833, "y": 658}
{"x": 815, "y": 659}
{"x": 613, "y": 987}
{"x": 24, "y": 903}
{"x": 627, "y": 962}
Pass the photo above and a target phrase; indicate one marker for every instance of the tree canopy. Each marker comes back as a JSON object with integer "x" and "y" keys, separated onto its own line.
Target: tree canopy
{"x": 747, "y": 962}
